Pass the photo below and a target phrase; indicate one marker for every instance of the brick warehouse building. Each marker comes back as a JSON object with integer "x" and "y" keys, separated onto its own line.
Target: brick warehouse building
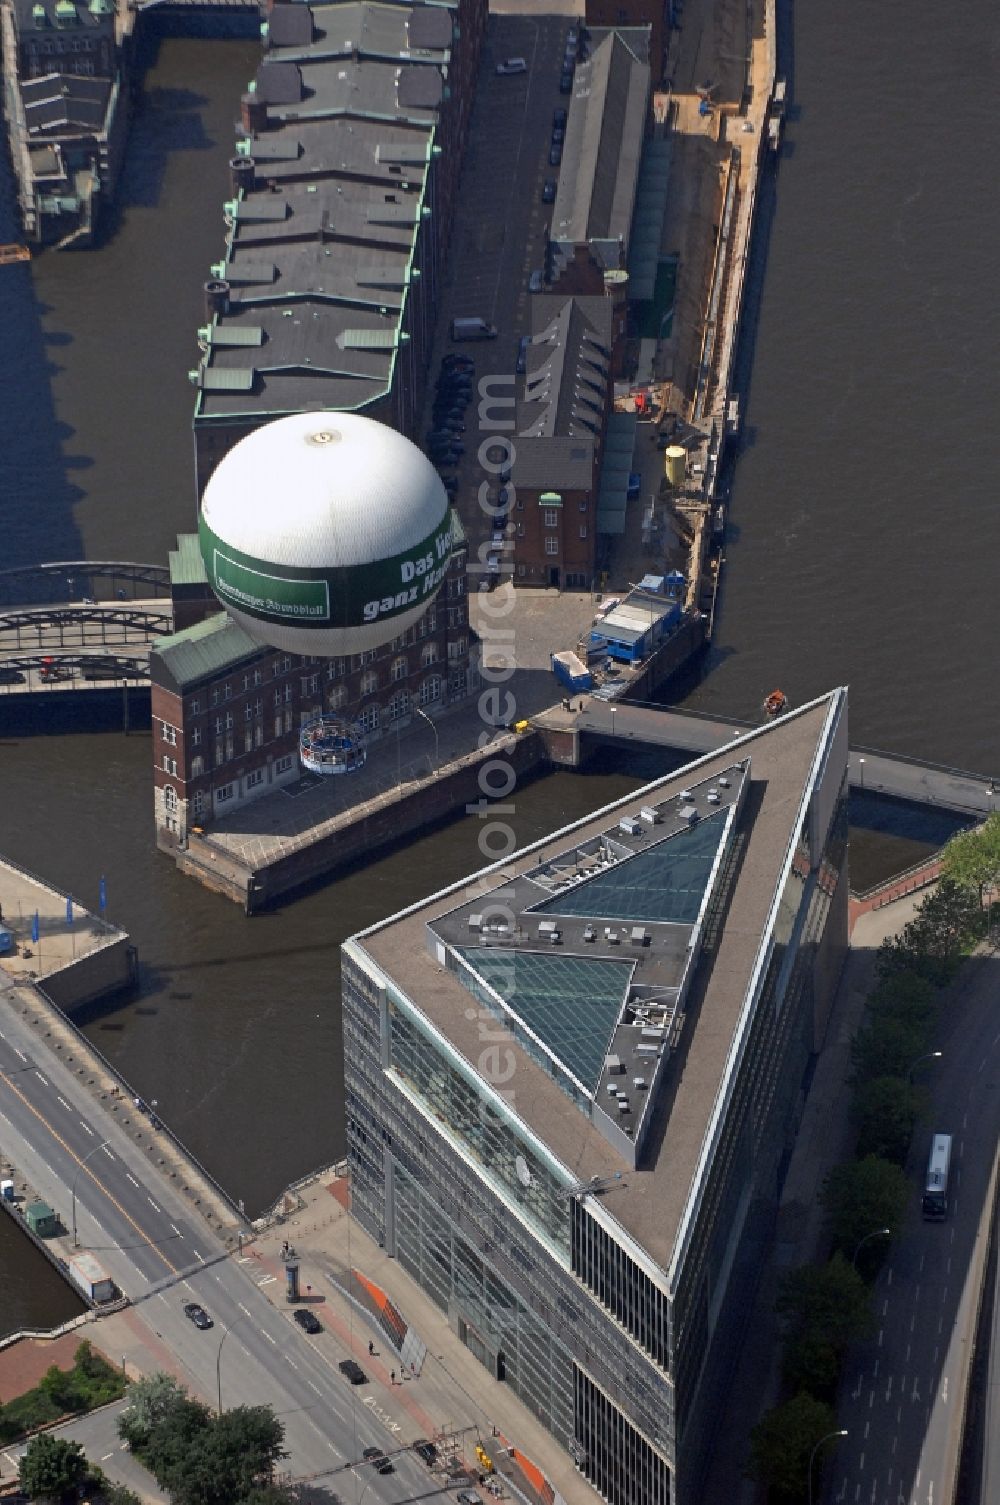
{"x": 226, "y": 712}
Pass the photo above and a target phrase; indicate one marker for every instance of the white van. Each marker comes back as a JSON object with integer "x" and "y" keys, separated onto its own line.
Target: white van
{"x": 472, "y": 329}
{"x": 512, "y": 65}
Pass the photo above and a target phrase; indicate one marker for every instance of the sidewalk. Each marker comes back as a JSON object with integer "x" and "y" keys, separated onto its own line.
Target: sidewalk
{"x": 826, "y": 1137}
{"x": 452, "y": 1390}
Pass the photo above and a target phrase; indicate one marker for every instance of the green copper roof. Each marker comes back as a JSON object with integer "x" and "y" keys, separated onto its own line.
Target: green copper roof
{"x": 186, "y": 564}
{"x": 204, "y": 650}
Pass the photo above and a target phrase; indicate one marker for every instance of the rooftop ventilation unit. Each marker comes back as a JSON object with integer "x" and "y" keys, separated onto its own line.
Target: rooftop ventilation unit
{"x": 651, "y": 1033}
{"x": 723, "y": 782}
{"x": 630, "y": 824}
{"x": 623, "y": 1105}
{"x": 712, "y": 796}
{"x": 688, "y": 814}
{"x": 685, "y": 794}
{"x": 640, "y": 936}
{"x": 548, "y": 927}
{"x": 650, "y": 815}
{"x": 475, "y": 922}
{"x": 614, "y": 1065}
{"x": 646, "y": 1049}
{"x": 639, "y": 1083}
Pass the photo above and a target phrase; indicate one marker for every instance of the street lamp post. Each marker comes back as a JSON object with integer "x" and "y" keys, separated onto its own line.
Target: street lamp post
{"x": 861, "y": 770}
{"x": 430, "y": 723}
{"x": 875, "y": 1233}
{"x": 841, "y": 1432}
{"x": 72, "y": 1193}
{"x": 931, "y": 1055}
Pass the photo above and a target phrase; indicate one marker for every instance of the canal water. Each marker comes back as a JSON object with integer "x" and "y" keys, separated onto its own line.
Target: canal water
{"x": 859, "y": 550}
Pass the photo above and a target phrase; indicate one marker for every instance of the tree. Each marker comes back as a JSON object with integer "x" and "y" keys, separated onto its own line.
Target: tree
{"x": 782, "y": 1442}
{"x": 947, "y": 919}
{"x": 886, "y": 1109}
{"x": 906, "y": 996}
{"x": 150, "y": 1402}
{"x": 227, "y": 1460}
{"x": 971, "y": 860}
{"x": 51, "y": 1467}
{"x": 823, "y": 1308}
{"x": 886, "y": 1046}
{"x": 830, "y": 1300}
{"x": 863, "y": 1195}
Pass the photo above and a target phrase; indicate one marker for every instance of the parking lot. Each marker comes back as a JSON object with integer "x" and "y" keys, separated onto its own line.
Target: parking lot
{"x": 500, "y": 226}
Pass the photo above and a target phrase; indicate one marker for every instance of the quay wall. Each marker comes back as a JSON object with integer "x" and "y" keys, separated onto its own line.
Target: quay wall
{"x": 111, "y": 969}
{"x": 363, "y": 830}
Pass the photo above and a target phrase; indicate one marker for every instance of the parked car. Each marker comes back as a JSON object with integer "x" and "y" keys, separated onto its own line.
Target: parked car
{"x": 559, "y": 117}
{"x": 555, "y": 154}
{"x": 566, "y": 81}
{"x": 457, "y": 358}
{"x": 353, "y": 1371}
{"x": 469, "y": 1497}
{"x": 198, "y": 1316}
{"x": 11, "y": 677}
{"x": 522, "y": 355}
{"x": 549, "y": 191}
{"x": 558, "y": 135}
{"x": 308, "y": 1321}
{"x": 425, "y": 1450}
{"x": 536, "y": 282}
{"x": 512, "y": 65}
{"x": 378, "y": 1460}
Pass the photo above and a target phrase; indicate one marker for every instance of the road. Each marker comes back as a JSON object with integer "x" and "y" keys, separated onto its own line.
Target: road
{"x": 902, "y": 1395}
{"x": 162, "y": 1255}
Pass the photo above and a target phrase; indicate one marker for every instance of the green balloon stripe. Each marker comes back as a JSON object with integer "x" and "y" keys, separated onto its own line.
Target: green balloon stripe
{"x": 345, "y": 596}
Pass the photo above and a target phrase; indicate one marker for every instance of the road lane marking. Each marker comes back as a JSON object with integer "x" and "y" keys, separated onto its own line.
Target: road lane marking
{"x": 110, "y": 1153}
{"x": 177, "y": 1230}
{"x": 266, "y": 1281}
{"x": 861, "y": 1464}
{"x": 24, "y": 1057}
{"x": 292, "y": 1362}
{"x": 40, "y": 1077}
{"x": 106, "y": 1456}
{"x": 944, "y": 1391}
{"x": 267, "y": 1335}
{"x": 129, "y": 1177}
{"x": 867, "y": 1428}
{"x": 880, "y": 1335}
{"x": 64, "y": 1103}
{"x": 153, "y": 1204}
{"x": 196, "y": 1254}
{"x": 313, "y": 1386}
{"x": 87, "y": 1129}
{"x": 82, "y": 1166}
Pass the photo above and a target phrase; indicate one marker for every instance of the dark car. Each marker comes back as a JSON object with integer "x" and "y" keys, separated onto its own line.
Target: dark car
{"x": 198, "y": 1315}
{"x": 353, "y": 1371}
{"x": 555, "y": 154}
{"x": 11, "y": 677}
{"x": 308, "y": 1321}
{"x": 443, "y": 411}
{"x": 559, "y": 117}
{"x": 566, "y": 82}
{"x": 449, "y": 385}
{"x": 549, "y": 191}
{"x": 456, "y": 360}
{"x": 469, "y": 1497}
{"x": 558, "y": 135}
{"x": 377, "y": 1458}
{"x": 425, "y": 1450}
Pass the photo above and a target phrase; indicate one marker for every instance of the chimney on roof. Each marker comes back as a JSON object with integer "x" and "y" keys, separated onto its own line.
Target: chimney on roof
{"x": 216, "y": 297}
{"x": 253, "y": 113}
{"x": 241, "y": 174}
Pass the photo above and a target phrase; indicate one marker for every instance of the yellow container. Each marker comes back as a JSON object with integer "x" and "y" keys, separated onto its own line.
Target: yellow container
{"x": 676, "y": 459}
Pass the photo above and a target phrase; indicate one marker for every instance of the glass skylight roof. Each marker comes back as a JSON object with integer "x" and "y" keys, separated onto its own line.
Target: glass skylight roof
{"x": 666, "y": 883}
{"x": 571, "y": 1003}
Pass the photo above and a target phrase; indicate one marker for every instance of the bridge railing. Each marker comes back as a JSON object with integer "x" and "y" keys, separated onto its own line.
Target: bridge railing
{"x": 71, "y": 579}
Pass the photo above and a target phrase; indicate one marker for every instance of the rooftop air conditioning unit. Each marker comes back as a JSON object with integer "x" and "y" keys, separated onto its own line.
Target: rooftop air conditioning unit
{"x": 688, "y": 814}
{"x": 630, "y": 824}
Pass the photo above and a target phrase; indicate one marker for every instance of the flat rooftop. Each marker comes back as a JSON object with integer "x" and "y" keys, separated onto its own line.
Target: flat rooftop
{"x": 649, "y": 1201}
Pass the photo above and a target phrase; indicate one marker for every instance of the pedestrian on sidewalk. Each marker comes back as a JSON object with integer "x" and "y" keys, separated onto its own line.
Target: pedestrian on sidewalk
{"x": 392, "y": 1376}
{"x": 371, "y": 1348}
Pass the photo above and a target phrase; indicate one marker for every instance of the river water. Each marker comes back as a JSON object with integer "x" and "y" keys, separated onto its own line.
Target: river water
{"x": 862, "y": 535}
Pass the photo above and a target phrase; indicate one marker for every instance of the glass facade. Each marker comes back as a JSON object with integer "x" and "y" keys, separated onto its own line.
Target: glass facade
{"x": 508, "y": 1161}
{"x": 626, "y": 1372}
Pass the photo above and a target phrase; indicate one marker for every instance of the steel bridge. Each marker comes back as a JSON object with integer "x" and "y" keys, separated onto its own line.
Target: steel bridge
{"x": 75, "y": 579}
